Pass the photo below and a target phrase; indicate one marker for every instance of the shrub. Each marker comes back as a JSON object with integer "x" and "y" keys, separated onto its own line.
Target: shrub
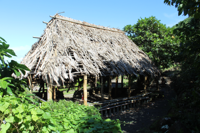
{"x": 62, "y": 116}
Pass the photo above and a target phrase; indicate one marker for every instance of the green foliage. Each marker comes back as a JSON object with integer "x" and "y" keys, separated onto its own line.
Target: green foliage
{"x": 8, "y": 84}
{"x": 52, "y": 117}
{"x": 187, "y": 82}
{"x": 20, "y": 113}
{"x": 187, "y": 7}
{"x": 188, "y": 31}
{"x": 155, "y": 39}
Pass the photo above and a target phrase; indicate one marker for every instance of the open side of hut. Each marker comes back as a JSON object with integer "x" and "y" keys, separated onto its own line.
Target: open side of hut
{"x": 70, "y": 48}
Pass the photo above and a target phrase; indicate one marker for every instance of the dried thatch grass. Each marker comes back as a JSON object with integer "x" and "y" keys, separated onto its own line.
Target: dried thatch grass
{"x": 69, "y": 47}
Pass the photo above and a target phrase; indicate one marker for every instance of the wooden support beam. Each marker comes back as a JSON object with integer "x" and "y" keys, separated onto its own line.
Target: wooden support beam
{"x": 54, "y": 93}
{"x": 37, "y": 37}
{"x": 122, "y": 82}
{"x": 30, "y": 83}
{"x": 60, "y": 12}
{"x": 157, "y": 83}
{"x": 44, "y": 22}
{"x": 116, "y": 86}
{"x": 83, "y": 23}
{"x": 79, "y": 87}
{"x": 42, "y": 84}
{"x": 129, "y": 85}
{"x": 102, "y": 96}
{"x": 85, "y": 89}
{"x": 49, "y": 92}
{"x": 110, "y": 87}
{"x": 145, "y": 84}
{"x": 95, "y": 82}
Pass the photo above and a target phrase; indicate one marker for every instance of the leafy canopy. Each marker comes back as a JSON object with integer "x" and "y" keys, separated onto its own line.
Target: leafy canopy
{"x": 155, "y": 39}
{"x": 188, "y": 80}
{"x": 186, "y": 7}
{"x": 8, "y": 84}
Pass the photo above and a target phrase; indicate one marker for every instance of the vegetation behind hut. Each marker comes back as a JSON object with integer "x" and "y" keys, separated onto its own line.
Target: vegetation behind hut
{"x": 185, "y": 107}
{"x": 156, "y": 40}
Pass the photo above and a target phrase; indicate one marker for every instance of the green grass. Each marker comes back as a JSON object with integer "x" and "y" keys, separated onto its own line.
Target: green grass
{"x": 70, "y": 92}
{"x": 65, "y": 91}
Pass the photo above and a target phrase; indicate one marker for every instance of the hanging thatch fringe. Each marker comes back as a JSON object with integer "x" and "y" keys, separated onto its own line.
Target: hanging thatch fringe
{"x": 69, "y": 47}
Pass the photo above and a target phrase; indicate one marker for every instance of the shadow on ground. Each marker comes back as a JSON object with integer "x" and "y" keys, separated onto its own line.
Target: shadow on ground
{"x": 142, "y": 117}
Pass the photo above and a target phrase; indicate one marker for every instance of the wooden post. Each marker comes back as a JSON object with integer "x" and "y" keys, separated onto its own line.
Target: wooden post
{"x": 110, "y": 87}
{"x": 95, "y": 83}
{"x": 102, "y": 97}
{"x": 85, "y": 89}
{"x": 79, "y": 87}
{"x": 157, "y": 83}
{"x": 54, "y": 93}
{"x": 122, "y": 82}
{"x": 30, "y": 83}
{"x": 145, "y": 84}
{"x": 129, "y": 85}
{"x": 49, "y": 92}
{"x": 116, "y": 86}
{"x": 43, "y": 87}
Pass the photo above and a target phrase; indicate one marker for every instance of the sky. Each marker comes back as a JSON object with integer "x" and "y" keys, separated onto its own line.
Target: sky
{"x": 20, "y": 20}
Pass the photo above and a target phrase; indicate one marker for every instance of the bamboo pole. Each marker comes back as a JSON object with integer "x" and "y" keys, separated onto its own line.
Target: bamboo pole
{"x": 49, "y": 92}
{"x": 85, "y": 89}
{"x": 122, "y": 84}
{"x": 110, "y": 87}
{"x": 129, "y": 85}
{"x": 102, "y": 96}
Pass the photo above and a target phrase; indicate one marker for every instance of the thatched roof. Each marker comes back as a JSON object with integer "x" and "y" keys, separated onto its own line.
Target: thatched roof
{"x": 69, "y": 48}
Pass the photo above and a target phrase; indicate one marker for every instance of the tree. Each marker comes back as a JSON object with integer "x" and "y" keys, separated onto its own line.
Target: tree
{"x": 187, "y": 7}
{"x": 189, "y": 33}
{"x": 8, "y": 84}
{"x": 155, "y": 39}
{"x": 187, "y": 83}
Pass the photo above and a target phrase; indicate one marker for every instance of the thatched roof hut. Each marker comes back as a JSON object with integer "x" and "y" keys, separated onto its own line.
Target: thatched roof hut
{"x": 69, "y": 48}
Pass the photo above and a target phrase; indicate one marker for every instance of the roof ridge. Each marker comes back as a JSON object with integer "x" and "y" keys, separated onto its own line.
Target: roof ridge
{"x": 85, "y": 23}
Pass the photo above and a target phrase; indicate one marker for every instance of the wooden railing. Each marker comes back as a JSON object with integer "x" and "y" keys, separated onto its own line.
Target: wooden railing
{"x": 114, "y": 107}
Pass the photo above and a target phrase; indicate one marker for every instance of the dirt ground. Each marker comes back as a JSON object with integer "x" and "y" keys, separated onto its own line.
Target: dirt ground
{"x": 139, "y": 119}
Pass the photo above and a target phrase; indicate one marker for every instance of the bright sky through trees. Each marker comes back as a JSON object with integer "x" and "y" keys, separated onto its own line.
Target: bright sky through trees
{"x": 21, "y": 20}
